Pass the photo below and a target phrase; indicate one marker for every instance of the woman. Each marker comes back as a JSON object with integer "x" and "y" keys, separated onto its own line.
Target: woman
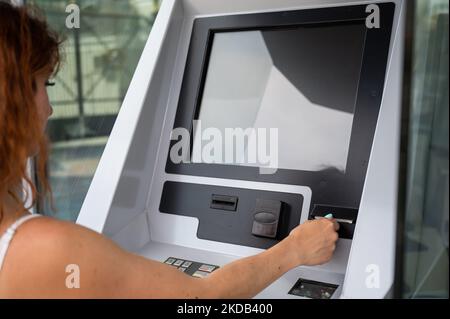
{"x": 34, "y": 252}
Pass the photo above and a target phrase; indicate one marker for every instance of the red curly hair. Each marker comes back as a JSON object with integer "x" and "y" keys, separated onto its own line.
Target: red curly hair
{"x": 27, "y": 49}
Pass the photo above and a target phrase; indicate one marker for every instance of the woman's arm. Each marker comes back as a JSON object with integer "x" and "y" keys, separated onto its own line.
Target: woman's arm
{"x": 312, "y": 243}
{"x": 42, "y": 249}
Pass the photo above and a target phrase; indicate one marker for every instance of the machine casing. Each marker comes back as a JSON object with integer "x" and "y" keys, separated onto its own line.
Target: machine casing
{"x": 124, "y": 198}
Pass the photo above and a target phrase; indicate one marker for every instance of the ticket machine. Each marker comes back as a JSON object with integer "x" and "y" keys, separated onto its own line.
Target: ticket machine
{"x": 247, "y": 118}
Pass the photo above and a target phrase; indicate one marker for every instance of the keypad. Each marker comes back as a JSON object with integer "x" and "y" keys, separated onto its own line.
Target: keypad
{"x": 191, "y": 268}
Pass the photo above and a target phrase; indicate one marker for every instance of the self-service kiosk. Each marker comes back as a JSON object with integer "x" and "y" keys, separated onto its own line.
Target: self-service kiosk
{"x": 245, "y": 119}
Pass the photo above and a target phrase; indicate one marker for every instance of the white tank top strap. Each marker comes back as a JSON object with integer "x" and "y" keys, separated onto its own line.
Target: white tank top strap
{"x": 5, "y": 240}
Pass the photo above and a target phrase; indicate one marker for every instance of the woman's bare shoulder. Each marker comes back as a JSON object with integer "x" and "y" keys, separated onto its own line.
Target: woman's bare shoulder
{"x": 46, "y": 235}
{"x": 48, "y": 228}
{"x": 45, "y": 251}
{"x": 47, "y": 255}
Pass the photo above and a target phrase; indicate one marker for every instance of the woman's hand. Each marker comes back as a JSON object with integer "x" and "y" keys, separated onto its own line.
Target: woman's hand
{"x": 314, "y": 242}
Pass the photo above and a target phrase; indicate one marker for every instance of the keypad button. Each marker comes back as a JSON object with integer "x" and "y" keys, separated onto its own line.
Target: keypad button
{"x": 207, "y": 268}
{"x": 200, "y": 274}
{"x": 178, "y": 263}
{"x": 170, "y": 261}
{"x": 186, "y": 264}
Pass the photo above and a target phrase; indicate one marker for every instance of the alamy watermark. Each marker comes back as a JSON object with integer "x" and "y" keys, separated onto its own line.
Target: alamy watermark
{"x": 373, "y": 19}
{"x": 373, "y": 277}
{"x": 243, "y": 146}
{"x": 73, "y": 279}
{"x": 73, "y": 17}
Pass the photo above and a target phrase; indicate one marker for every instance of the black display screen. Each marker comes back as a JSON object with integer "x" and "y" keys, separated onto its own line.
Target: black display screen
{"x": 301, "y": 81}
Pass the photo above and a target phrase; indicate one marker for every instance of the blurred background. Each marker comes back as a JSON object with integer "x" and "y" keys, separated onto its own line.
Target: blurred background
{"x": 99, "y": 61}
{"x": 424, "y": 233}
